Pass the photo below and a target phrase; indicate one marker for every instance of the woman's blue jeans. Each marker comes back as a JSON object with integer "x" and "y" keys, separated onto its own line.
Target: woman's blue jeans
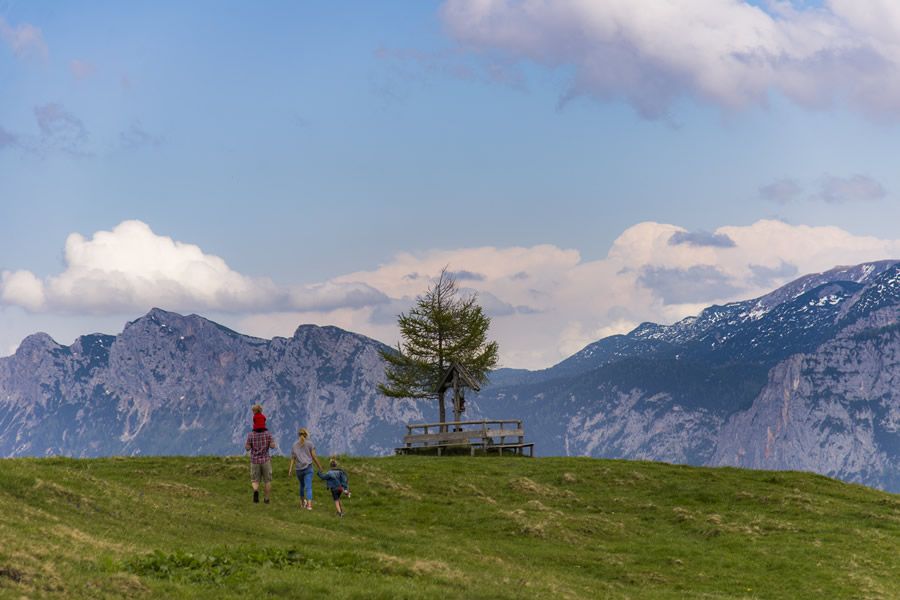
{"x": 305, "y": 476}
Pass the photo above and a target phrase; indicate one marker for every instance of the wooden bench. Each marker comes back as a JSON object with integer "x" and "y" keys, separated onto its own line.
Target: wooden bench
{"x": 485, "y": 435}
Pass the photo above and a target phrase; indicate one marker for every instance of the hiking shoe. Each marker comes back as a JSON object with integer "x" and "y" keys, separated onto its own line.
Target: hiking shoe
{"x": 256, "y": 496}
{"x": 266, "y": 500}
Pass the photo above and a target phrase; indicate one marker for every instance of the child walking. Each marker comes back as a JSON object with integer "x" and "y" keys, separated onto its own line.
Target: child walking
{"x": 336, "y": 480}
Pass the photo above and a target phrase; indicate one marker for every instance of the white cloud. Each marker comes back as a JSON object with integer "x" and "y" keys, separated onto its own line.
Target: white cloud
{"x": 133, "y": 269}
{"x": 728, "y": 52}
{"x": 576, "y": 334}
{"x": 24, "y": 40}
{"x": 644, "y": 277}
{"x": 23, "y": 289}
{"x": 547, "y": 302}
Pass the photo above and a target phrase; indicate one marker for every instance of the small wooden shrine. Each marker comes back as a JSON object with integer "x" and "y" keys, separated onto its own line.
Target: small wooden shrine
{"x": 457, "y": 378}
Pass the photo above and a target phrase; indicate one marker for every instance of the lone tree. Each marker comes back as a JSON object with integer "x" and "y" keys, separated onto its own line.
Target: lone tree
{"x": 442, "y": 328}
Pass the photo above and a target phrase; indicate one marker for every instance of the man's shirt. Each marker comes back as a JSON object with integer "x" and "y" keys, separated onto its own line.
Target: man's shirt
{"x": 259, "y": 442}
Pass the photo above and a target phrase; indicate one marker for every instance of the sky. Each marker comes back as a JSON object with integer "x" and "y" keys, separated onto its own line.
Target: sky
{"x": 582, "y": 165}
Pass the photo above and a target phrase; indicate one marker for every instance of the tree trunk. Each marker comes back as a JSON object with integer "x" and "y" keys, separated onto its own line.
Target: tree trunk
{"x": 443, "y": 411}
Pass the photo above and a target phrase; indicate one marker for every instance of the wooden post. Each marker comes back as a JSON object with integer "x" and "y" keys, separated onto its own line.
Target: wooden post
{"x": 456, "y": 412}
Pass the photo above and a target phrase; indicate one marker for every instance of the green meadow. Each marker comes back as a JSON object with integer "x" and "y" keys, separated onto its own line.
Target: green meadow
{"x": 452, "y": 527}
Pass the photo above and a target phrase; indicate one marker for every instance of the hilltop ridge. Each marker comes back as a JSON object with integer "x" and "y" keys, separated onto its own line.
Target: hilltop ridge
{"x": 451, "y": 528}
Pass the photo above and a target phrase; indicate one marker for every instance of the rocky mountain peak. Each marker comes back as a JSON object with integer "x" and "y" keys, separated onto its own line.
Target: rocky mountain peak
{"x": 35, "y": 343}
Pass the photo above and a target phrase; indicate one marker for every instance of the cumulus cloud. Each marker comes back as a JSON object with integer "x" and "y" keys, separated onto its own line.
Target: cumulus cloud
{"x": 467, "y": 275}
{"x": 492, "y": 305}
{"x": 766, "y": 277}
{"x": 731, "y": 53}
{"x": 131, "y": 268}
{"x": 25, "y": 41}
{"x": 546, "y": 302}
{"x": 699, "y": 283}
{"x": 22, "y": 288}
{"x": 551, "y": 302}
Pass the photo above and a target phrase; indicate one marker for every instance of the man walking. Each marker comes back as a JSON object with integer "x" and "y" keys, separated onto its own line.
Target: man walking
{"x": 258, "y": 443}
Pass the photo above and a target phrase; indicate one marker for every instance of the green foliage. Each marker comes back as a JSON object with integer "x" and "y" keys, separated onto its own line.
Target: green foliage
{"x": 441, "y": 328}
{"x": 547, "y": 527}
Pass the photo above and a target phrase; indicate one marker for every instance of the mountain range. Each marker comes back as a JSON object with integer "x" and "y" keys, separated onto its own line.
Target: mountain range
{"x": 801, "y": 378}
{"x": 173, "y": 384}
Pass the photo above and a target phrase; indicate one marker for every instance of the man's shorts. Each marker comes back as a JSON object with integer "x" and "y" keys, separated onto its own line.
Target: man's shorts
{"x": 261, "y": 472}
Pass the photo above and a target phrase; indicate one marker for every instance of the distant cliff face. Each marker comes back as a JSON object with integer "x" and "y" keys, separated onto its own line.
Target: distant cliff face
{"x": 803, "y": 378}
{"x": 171, "y": 384}
{"x": 835, "y": 411}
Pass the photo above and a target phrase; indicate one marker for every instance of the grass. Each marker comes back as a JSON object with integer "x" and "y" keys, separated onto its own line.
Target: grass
{"x": 442, "y": 527}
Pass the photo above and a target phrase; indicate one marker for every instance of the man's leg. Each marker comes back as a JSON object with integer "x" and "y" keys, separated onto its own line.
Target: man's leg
{"x": 254, "y": 481}
{"x": 267, "y": 479}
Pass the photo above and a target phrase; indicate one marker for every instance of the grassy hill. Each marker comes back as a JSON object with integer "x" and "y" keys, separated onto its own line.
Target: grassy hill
{"x": 442, "y": 527}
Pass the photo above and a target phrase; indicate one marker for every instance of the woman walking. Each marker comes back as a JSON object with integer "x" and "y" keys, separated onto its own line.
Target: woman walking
{"x": 303, "y": 456}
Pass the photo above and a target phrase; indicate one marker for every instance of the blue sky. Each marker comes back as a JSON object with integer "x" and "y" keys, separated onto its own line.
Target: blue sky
{"x": 310, "y": 145}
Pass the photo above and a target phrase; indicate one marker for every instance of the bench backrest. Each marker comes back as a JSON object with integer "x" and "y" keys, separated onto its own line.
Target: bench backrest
{"x": 461, "y": 436}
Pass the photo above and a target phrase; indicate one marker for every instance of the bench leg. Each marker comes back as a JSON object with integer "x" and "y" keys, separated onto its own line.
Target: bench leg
{"x": 472, "y": 451}
{"x": 439, "y": 451}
